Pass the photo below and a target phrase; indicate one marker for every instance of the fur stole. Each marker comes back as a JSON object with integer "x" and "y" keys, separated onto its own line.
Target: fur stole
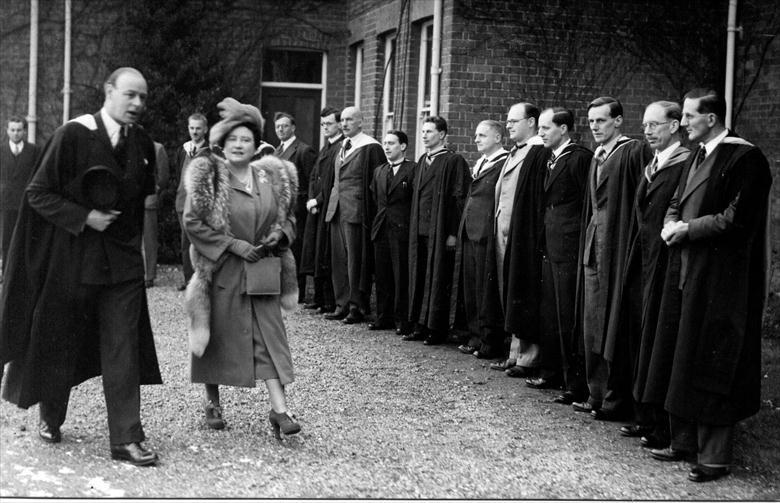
{"x": 207, "y": 183}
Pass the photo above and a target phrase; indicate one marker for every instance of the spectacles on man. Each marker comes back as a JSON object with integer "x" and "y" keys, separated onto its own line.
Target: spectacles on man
{"x": 512, "y": 122}
{"x": 326, "y": 124}
{"x": 652, "y": 126}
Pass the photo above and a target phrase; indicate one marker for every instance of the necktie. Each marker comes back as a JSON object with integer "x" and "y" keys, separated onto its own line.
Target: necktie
{"x": 120, "y": 149}
{"x": 601, "y": 156}
{"x": 516, "y": 148}
{"x": 652, "y": 168}
{"x": 17, "y": 148}
{"x": 701, "y": 155}
{"x": 480, "y": 166}
{"x": 551, "y": 162}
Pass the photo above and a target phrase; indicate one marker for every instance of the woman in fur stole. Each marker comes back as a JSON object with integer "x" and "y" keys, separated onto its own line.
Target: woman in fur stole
{"x": 239, "y": 210}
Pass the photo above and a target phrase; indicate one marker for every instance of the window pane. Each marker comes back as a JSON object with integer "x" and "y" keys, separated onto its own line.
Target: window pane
{"x": 391, "y": 78}
{"x": 428, "y": 55}
{"x": 281, "y": 65}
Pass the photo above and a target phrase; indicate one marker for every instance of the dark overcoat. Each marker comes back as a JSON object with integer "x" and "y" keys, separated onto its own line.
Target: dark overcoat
{"x": 320, "y": 186}
{"x": 649, "y": 259}
{"x": 42, "y": 332}
{"x": 393, "y": 201}
{"x": 716, "y": 373}
{"x": 449, "y": 173}
{"x": 303, "y": 157}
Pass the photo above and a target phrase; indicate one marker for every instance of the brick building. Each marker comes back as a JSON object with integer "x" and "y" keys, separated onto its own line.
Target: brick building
{"x": 380, "y": 54}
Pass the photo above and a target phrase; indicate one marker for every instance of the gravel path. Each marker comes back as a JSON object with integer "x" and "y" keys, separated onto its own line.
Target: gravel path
{"x": 381, "y": 418}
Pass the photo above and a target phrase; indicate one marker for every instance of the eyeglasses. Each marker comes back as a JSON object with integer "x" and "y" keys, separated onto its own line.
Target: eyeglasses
{"x": 512, "y": 122}
{"x": 652, "y": 126}
{"x": 326, "y": 124}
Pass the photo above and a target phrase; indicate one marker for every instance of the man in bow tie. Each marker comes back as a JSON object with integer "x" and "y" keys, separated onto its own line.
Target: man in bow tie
{"x": 17, "y": 160}
{"x": 718, "y": 220}
{"x": 73, "y": 304}
{"x": 197, "y": 127}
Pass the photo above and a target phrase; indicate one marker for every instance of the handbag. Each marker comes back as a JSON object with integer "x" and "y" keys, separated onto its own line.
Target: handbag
{"x": 263, "y": 277}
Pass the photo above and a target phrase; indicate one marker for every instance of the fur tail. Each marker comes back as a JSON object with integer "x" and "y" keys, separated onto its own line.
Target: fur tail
{"x": 289, "y": 296}
{"x": 197, "y": 305}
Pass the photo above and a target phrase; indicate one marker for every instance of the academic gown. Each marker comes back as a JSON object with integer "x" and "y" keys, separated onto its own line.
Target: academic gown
{"x": 649, "y": 260}
{"x": 716, "y": 373}
{"x": 43, "y": 332}
{"x": 321, "y": 184}
{"x": 450, "y": 175}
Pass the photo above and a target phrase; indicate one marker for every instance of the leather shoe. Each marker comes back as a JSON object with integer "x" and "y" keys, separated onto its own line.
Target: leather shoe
{"x": 518, "y": 371}
{"x": 182, "y": 287}
{"x": 49, "y": 434}
{"x": 566, "y": 398}
{"x": 502, "y": 365}
{"x": 337, "y": 315}
{"x": 213, "y": 415}
{"x": 133, "y": 453}
{"x": 603, "y": 414}
{"x": 414, "y": 336}
{"x": 701, "y": 473}
{"x": 354, "y": 317}
{"x": 376, "y": 325}
{"x": 669, "y": 454}
{"x": 542, "y": 383}
{"x": 651, "y": 441}
{"x": 311, "y": 305}
{"x": 485, "y": 353}
{"x": 403, "y": 331}
{"x": 434, "y": 339}
{"x": 634, "y": 430}
{"x": 326, "y": 309}
{"x": 582, "y": 407}
{"x": 467, "y": 349}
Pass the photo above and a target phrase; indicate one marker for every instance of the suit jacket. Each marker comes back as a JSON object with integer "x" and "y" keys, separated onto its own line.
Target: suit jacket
{"x": 476, "y": 223}
{"x": 183, "y": 157}
{"x": 716, "y": 373}
{"x": 303, "y": 156}
{"x": 53, "y": 252}
{"x": 355, "y": 173}
{"x": 15, "y": 173}
{"x": 564, "y": 188}
{"x": 161, "y": 173}
{"x": 393, "y": 200}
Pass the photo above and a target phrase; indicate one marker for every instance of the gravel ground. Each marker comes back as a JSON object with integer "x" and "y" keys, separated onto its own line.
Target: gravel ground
{"x": 381, "y": 418}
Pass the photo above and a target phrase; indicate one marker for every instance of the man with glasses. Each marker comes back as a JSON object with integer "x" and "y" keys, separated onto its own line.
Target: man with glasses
{"x": 649, "y": 303}
{"x": 718, "y": 221}
{"x": 315, "y": 258}
{"x": 615, "y": 171}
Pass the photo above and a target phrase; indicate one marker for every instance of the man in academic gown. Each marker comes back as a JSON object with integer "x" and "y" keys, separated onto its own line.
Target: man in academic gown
{"x": 615, "y": 172}
{"x": 17, "y": 160}
{"x": 73, "y": 305}
{"x": 315, "y": 257}
{"x": 292, "y": 149}
{"x": 718, "y": 218}
{"x": 476, "y": 229}
{"x": 440, "y": 186}
{"x": 349, "y": 216}
{"x": 392, "y": 189}
{"x": 514, "y": 275}
{"x": 647, "y": 268}
{"x": 565, "y": 183}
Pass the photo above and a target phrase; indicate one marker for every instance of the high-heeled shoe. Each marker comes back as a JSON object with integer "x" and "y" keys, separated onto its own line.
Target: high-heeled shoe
{"x": 283, "y": 421}
{"x": 214, "y": 416}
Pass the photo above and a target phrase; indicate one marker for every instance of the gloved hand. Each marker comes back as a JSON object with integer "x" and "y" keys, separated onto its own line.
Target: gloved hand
{"x": 245, "y": 250}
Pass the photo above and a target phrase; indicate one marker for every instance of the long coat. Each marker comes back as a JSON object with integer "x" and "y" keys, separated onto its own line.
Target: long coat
{"x": 303, "y": 157}
{"x": 604, "y": 244}
{"x": 716, "y": 373}
{"x": 649, "y": 260}
{"x": 229, "y": 356}
{"x": 42, "y": 330}
{"x": 320, "y": 186}
{"x": 450, "y": 176}
{"x": 15, "y": 173}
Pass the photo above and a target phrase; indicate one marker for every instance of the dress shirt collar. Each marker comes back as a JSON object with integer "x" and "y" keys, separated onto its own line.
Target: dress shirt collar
{"x": 713, "y": 143}
{"x": 610, "y": 145}
{"x": 335, "y": 138}
{"x": 558, "y": 151}
{"x": 112, "y": 127}
{"x": 665, "y": 154}
{"x": 16, "y": 148}
{"x": 493, "y": 156}
{"x": 286, "y": 144}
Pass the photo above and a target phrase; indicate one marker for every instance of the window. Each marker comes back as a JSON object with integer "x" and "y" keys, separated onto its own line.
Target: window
{"x": 302, "y": 67}
{"x": 424, "y": 80}
{"x": 357, "y": 58}
{"x": 388, "y": 94}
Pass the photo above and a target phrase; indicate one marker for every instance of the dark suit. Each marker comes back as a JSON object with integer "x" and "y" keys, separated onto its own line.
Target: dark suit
{"x": 15, "y": 173}
{"x": 470, "y": 272}
{"x": 74, "y": 305}
{"x": 183, "y": 157}
{"x": 390, "y": 235}
{"x": 303, "y": 156}
{"x": 348, "y": 213}
{"x": 151, "y": 205}
{"x": 565, "y": 184}
{"x": 716, "y": 373}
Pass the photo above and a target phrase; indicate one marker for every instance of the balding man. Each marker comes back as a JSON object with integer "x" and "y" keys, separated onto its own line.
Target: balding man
{"x": 74, "y": 304}
{"x": 474, "y": 232}
{"x": 349, "y": 217}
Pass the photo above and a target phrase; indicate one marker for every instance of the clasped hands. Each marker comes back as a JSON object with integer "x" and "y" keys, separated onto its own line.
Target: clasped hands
{"x": 100, "y": 220}
{"x": 311, "y": 206}
{"x": 252, "y": 253}
{"x": 674, "y": 232}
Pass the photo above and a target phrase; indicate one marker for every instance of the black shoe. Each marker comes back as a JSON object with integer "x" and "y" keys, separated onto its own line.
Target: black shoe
{"x": 467, "y": 349}
{"x": 434, "y": 339}
{"x": 326, "y": 309}
{"x": 583, "y": 407}
{"x": 603, "y": 414}
{"x": 312, "y": 305}
{"x": 701, "y": 473}
{"x": 566, "y": 398}
{"x": 354, "y": 316}
{"x": 337, "y": 315}
{"x": 669, "y": 454}
{"x": 403, "y": 330}
{"x": 149, "y": 283}
{"x": 283, "y": 422}
{"x": 652, "y": 441}
{"x": 485, "y": 352}
{"x": 634, "y": 430}
{"x": 543, "y": 383}
{"x": 133, "y": 453}
{"x": 213, "y": 415}
{"x": 48, "y": 433}
{"x": 414, "y": 336}
{"x": 182, "y": 287}
{"x": 380, "y": 325}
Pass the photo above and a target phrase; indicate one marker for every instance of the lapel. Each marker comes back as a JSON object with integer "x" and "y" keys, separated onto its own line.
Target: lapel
{"x": 287, "y": 154}
{"x": 427, "y": 171}
{"x": 399, "y": 177}
{"x": 592, "y": 174}
{"x": 100, "y": 135}
{"x": 560, "y": 165}
{"x": 605, "y": 173}
{"x": 643, "y": 191}
{"x": 702, "y": 173}
{"x": 673, "y": 159}
{"x": 383, "y": 191}
{"x": 507, "y": 166}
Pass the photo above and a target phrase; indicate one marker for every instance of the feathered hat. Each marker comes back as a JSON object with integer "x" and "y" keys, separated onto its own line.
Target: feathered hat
{"x": 234, "y": 113}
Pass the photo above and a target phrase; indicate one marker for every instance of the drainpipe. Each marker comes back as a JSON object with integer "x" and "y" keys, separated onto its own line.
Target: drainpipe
{"x": 730, "y": 50}
{"x": 436, "y": 56}
{"x": 32, "y": 118}
{"x": 66, "y": 91}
